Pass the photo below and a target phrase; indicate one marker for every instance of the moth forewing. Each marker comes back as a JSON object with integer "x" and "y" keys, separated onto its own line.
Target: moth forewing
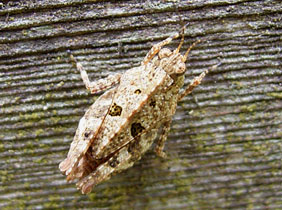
{"x": 87, "y": 130}
{"x": 134, "y": 90}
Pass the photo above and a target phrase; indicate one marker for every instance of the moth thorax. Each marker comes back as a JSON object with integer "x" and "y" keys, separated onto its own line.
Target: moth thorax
{"x": 164, "y": 53}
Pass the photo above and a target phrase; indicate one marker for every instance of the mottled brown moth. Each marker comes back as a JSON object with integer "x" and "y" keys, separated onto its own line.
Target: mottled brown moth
{"x": 123, "y": 122}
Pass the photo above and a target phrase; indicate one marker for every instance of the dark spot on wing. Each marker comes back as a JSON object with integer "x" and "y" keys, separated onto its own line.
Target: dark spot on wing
{"x": 138, "y": 91}
{"x": 136, "y": 129}
{"x": 113, "y": 162}
{"x": 152, "y": 103}
{"x": 115, "y": 110}
{"x": 86, "y": 134}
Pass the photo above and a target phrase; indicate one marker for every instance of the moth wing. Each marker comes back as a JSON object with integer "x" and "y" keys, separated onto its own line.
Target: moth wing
{"x": 88, "y": 128}
{"x": 119, "y": 161}
{"x": 136, "y": 87}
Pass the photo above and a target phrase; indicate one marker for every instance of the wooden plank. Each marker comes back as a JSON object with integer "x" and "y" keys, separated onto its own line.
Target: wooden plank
{"x": 225, "y": 144}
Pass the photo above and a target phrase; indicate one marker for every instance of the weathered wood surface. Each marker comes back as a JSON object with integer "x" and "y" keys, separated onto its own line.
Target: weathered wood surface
{"x": 225, "y": 144}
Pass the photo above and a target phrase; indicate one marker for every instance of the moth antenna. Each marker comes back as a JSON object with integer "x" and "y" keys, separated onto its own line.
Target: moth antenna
{"x": 182, "y": 40}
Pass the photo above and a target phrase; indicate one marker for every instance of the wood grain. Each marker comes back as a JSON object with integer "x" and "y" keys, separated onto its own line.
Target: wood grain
{"x": 225, "y": 144}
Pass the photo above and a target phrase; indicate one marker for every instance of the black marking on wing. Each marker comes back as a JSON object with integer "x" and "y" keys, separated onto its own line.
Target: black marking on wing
{"x": 113, "y": 162}
{"x": 136, "y": 128}
{"x": 152, "y": 103}
{"x": 137, "y": 91}
{"x": 133, "y": 145}
{"x": 115, "y": 110}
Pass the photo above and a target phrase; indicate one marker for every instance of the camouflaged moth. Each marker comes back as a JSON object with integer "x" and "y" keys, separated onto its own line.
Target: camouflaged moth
{"x": 123, "y": 122}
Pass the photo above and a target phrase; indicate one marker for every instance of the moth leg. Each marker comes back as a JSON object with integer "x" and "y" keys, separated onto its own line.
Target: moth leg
{"x": 160, "y": 143}
{"x": 189, "y": 49}
{"x": 97, "y": 86}
{"x": 195, "y": 82}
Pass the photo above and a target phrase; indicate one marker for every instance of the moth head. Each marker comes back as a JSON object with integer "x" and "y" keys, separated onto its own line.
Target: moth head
{"x": 171, "y": 62}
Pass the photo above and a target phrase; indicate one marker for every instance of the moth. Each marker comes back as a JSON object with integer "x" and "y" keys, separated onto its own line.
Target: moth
{"x": 123, "y": 122}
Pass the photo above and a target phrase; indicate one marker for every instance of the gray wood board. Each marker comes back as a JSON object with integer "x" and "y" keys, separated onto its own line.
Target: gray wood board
{"x": 224, "y": 148}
